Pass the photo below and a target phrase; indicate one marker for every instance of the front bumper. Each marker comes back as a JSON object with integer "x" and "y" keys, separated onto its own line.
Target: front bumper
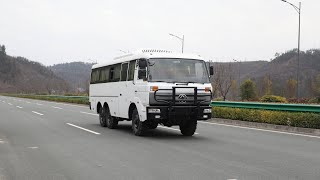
{"x": 176, "y": 115}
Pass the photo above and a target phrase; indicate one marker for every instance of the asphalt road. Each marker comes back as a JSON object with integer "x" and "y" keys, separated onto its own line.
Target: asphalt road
{"x": 42, "y": 140}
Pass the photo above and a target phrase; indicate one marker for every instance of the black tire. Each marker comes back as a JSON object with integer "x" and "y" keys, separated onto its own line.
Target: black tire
{"x": 102, "y": 117}
{"x": 137, "y": 126}
{"x": 112, "y": 122}
{"x": 188, "y": 128}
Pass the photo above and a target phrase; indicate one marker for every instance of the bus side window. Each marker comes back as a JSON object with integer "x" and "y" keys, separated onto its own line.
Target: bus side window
{"x": 115, "y": 73}
{"x": 111, "y": 76}
{"x": 124, "y": 71}
{"x": 132, "y": 67}
{"x": 95, "y": 76}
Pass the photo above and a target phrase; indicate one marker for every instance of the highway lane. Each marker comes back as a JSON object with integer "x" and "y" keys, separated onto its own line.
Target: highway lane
{"x": 38, "y": 142}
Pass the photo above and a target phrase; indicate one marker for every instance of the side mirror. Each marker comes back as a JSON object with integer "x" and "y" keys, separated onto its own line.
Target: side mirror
{"x": 142, "y": 74}
{"x": 142, "y": 63}
{"x": 211, "y": 70}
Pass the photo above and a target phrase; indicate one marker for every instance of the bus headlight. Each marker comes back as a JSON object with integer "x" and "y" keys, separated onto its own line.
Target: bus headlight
{"x": 154, "y": 111}
{"x": 207, "y": 111}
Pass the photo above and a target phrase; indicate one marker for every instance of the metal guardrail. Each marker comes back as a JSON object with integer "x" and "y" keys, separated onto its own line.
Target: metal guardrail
{"x": 268, "y": 106}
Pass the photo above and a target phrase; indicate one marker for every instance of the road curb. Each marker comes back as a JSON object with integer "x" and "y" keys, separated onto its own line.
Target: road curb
{"x": 308, "y": 131}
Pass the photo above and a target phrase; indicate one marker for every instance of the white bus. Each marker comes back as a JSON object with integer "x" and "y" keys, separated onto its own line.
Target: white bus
{"x": 151, "y": 87}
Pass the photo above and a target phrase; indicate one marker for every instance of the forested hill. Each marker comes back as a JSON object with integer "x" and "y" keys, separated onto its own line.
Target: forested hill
{"x": 281, "y": 71}
{"x": 77, "y": 74}
{"x": 20, "y": 75}
{"x": 284, "y": 67}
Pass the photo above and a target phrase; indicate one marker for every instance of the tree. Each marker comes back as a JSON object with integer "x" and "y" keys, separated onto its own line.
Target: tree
{"x": 316, "y": 86}
{"x": 3, "y": 49}
{"x": 267, "y": 85}
{"x": 234, "y": 90}
{"x": 223, "y": 79}
{"x": 291, "y": 88}
{"x": 248, "y": 90}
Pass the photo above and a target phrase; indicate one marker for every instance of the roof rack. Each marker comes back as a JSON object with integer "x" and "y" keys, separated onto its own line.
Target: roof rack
{"x": 155, "y": 51}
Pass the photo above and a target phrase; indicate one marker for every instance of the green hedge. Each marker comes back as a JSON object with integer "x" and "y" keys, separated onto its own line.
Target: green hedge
{"x": 272, "y": 98}
{"x": 294, "y": 119}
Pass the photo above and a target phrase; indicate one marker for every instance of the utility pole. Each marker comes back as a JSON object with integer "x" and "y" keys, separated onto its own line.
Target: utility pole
{"x": 180, "y": 38}
{"x": 298, "y": 9}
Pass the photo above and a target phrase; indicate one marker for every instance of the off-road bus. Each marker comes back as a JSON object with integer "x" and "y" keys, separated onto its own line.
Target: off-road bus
{"x": 152, "y": 87}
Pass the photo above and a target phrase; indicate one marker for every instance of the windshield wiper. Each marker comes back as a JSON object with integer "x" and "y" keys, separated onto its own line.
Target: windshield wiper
{"x": 194, "y": 82}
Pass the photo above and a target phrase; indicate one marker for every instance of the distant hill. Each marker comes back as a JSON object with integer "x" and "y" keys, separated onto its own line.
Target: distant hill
{"x": 284, "y": 67}
{"x": 77, "y": 74}
{"x": 20, "y": 75}
{"x": 280, "y": 69}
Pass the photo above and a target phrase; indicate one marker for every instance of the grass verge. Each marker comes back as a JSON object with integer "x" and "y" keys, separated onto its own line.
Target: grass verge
{"x": 294, "y": 119}
{"x": 68, "y": 99}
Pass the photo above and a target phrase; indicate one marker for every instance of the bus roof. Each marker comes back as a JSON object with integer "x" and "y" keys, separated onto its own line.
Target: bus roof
{"x": 147, "y": 54}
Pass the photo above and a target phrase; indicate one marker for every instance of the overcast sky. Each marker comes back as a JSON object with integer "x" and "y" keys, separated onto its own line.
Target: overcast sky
{"x": 56, "y": 31}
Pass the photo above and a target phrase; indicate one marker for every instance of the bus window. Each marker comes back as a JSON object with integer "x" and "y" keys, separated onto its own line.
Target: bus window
{"x": 115, "y": 73}
{"x": 132, "y": 67}
{"x": 124, "y": 71}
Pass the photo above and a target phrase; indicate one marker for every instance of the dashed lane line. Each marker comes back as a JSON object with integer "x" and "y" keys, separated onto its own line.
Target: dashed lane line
{"x": 56, "y": 107}
{"x": 89, "y": 113}
{"x": 37, "y": 113}
{"x": 90, "y": 131}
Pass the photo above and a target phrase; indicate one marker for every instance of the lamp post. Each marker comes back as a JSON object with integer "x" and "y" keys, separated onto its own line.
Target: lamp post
{"x": 239, "y": 72}
{"x": 298, "y": 9}
{"x": 181, "y": 39}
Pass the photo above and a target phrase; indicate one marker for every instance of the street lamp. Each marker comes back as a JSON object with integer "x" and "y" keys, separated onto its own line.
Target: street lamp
{"x": 298, "y": 9}
{"x": 181, "y": 39}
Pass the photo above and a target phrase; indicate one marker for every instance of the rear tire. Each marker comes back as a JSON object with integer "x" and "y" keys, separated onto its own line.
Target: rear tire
{"x": 111, "y": 122}
{"x": 102, "y": 117}
{"x": 138, "y": 127}
{"x": 188, "y": 128}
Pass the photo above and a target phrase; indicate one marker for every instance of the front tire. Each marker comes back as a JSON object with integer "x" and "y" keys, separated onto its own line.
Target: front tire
{"x": 152, "y": 125}
{"x": 188, "y": 128}
{"x": 137, "y": 126}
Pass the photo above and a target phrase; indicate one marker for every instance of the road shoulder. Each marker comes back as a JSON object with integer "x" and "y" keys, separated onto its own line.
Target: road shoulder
{"x": 289, "y": 129}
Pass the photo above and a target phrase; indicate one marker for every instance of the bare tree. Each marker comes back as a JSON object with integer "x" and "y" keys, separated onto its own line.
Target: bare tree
{"x": 223, "y": 78}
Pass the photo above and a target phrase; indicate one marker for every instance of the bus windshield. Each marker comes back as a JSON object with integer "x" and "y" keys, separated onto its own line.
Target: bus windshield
{"x": 177, "y": 70}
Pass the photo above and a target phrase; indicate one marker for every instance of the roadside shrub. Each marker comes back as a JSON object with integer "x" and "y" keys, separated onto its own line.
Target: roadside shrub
{"x": 218, "y": 99}
{"x": 315, "y": 100}
{"x": 272, "y": 98}
{"x": 294, "y": 119}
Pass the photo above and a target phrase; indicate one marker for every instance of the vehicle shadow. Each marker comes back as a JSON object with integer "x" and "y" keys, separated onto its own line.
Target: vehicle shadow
{"x": 158, "y": 133}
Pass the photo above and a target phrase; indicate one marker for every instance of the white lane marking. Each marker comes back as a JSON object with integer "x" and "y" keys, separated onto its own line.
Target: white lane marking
{"x": 93, "y": 132}
{"x": 19, "y": 107}
{"x": 265, "y": 130}
{"x": 73, "y": 105}
{"x": 37, "y": 113}
{"x": 28, "y": 102}
{"x": 56, "y": 107}
{"x": 10, "y": 104}
{"x": 1, "y": 142}
{"x": 39, "y": 104}
{"x": 33, "y": 147}
{"x": 89, "y": 113}
{"x": 169, "y": 128}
